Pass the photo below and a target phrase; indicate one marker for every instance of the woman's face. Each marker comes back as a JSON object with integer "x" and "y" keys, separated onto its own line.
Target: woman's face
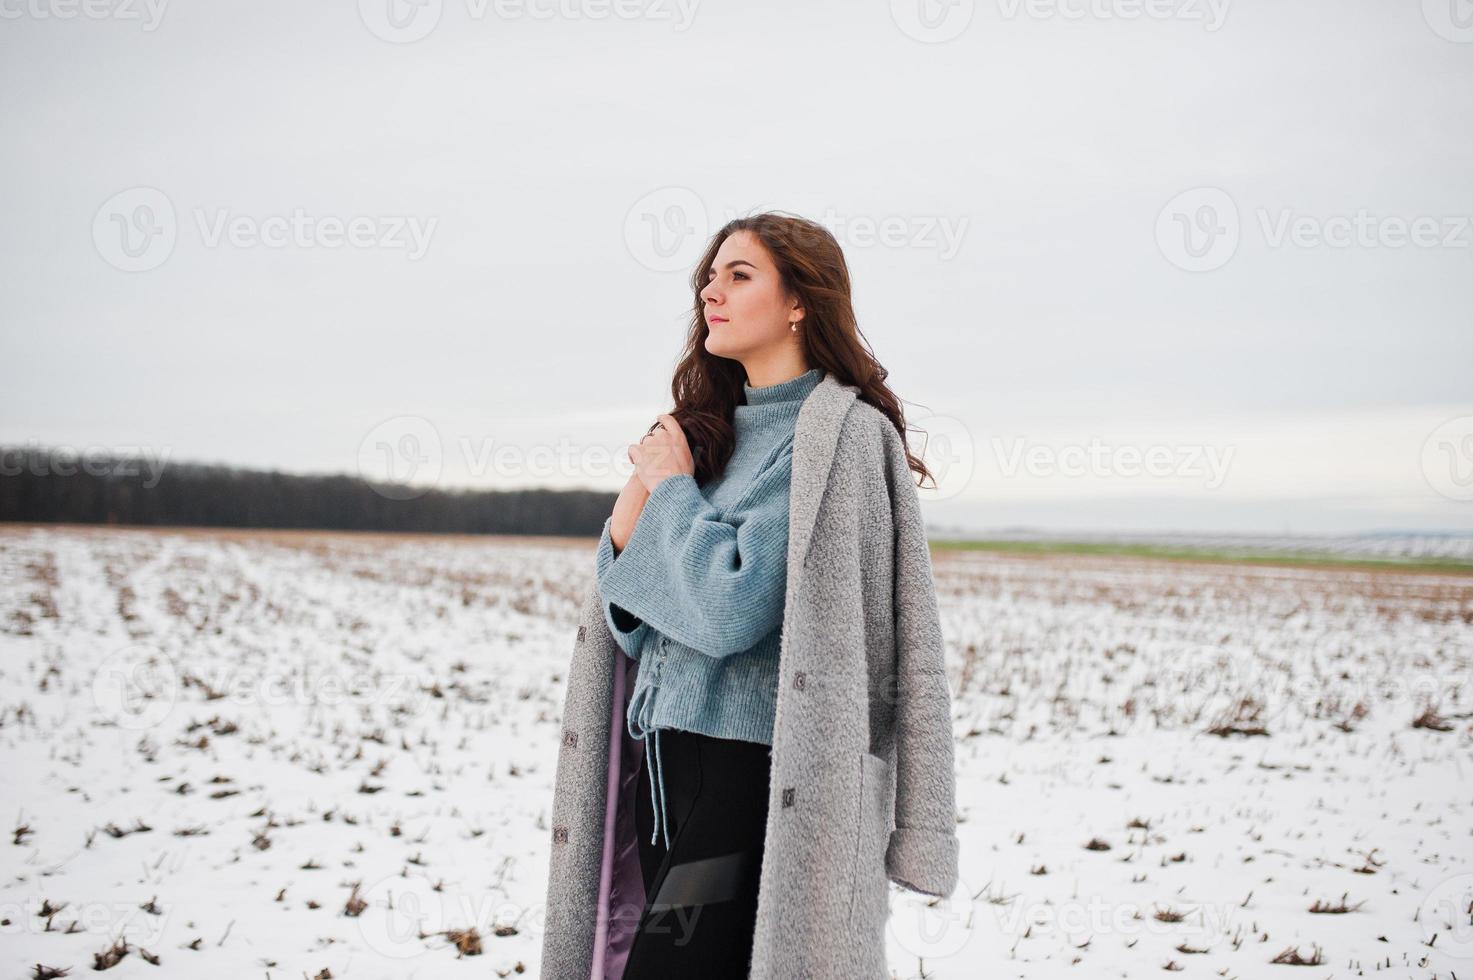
{"x": 747, "y": 310}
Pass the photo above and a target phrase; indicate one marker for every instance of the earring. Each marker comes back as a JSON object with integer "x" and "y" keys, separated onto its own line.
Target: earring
{"x": 794, "y": 325}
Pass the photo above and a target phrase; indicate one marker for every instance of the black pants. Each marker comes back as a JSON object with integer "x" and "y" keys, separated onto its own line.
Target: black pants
{"x": 701, "y": 895}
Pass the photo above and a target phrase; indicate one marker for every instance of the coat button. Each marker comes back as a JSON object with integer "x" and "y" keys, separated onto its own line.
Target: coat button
{"x": 560, "y": 835}
{"x": 582, "y": 631}
{"x": 571, "y": 739}
{"x": 787, "y": 796}
{"x": 799, "y": 679}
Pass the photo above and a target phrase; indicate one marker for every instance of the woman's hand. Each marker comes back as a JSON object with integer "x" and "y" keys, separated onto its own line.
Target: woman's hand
{"x": 626, "y": 512}
{"x": 661, "y": 453}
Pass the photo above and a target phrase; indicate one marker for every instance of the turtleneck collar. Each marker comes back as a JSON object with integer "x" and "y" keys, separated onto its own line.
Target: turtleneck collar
{"x": 793, "y": 389}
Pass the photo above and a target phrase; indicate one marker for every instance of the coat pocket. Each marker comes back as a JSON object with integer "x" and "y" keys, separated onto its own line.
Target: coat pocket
{"x": 869, "y": 904}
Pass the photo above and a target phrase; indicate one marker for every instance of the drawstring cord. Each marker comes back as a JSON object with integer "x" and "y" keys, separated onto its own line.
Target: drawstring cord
{"x": 657, "y": 770}
{"x": 661, "y": 809}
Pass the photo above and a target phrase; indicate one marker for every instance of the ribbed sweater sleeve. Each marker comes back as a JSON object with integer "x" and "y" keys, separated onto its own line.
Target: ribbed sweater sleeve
{"x": 713, "y": 582}
{"x": 627, "y": 629}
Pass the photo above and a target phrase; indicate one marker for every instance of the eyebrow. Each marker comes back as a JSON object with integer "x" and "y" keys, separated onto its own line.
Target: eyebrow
{"x": 735, "y": 262}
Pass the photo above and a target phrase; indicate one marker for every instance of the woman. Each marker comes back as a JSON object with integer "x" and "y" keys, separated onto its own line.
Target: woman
{"x": 762, "y": 581}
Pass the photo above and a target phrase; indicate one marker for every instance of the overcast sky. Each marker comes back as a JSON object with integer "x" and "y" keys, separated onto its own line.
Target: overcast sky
{"x": 1231, "y": 238}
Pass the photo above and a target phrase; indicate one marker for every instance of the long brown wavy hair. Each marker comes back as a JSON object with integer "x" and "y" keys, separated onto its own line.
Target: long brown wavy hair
{"x": 811, "y": 265}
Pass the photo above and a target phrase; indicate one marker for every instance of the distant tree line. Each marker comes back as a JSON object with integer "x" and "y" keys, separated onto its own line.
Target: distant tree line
{"x": 37, "y": 485}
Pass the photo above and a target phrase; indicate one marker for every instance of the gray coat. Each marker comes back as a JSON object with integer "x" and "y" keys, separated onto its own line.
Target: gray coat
{"x": 862, "y": 787}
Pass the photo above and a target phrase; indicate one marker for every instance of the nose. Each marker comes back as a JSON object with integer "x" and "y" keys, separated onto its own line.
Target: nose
{"x": 711, "y": 294}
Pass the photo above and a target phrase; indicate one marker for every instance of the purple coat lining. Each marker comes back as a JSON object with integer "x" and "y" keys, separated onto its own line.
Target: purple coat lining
{"x": 621, "y": 894}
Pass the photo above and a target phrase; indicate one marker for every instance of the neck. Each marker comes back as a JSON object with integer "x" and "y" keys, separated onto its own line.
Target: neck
{"x": 760, "y": 375}
{"x": 760, "y": 399}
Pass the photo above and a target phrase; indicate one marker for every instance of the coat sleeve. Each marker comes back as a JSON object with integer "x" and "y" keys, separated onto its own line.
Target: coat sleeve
{"x": 923, "y": 848}
{"x": 713, "y": 581}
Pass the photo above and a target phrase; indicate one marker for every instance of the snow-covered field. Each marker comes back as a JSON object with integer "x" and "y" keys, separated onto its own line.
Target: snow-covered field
{"x": 248, "y": 754}
{"x": 1449, "y": 547}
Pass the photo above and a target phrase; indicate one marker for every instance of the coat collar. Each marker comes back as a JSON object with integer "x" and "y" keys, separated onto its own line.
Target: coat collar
{"x": 815, "y": 438}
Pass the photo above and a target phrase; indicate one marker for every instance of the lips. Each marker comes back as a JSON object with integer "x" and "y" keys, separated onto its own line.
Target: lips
{"x": 715, "y": 320}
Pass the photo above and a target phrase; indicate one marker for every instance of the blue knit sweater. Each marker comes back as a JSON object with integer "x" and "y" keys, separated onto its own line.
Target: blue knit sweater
{"x": 697, "y": 593}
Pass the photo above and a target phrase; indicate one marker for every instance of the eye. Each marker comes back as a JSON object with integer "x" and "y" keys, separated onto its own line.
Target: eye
{"x": 740, "y": 275}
